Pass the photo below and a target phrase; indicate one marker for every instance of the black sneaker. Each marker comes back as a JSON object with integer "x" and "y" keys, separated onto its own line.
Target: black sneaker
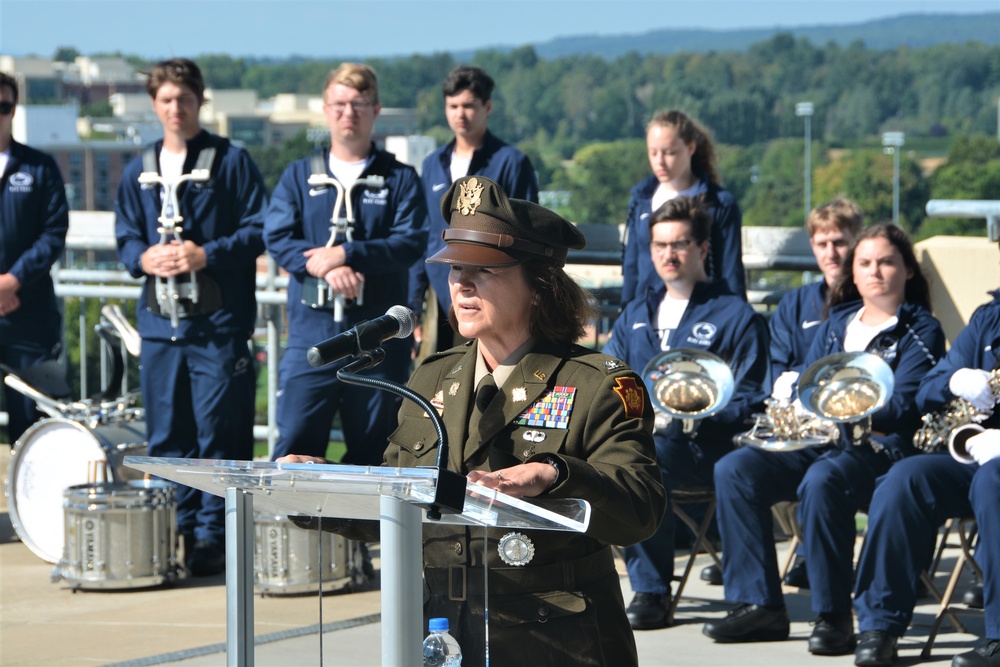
{"x": 987, "y": 655}
{"x": 832, "y": 635}
{"x": 206, "y": 559}
{"x": 750, "y": 623}
{"x": 648, "y": 611}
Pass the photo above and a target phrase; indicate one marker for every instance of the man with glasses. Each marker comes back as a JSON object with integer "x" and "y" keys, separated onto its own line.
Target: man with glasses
{"x": 34, "y": 218}
{"x": 338, "y": 280}
{"x": 474, "y": 151}
{"x": 688, "y": 311}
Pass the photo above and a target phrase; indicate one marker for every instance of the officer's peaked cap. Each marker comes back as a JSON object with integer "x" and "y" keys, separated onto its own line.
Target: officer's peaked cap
{"x": 486, "y": 228}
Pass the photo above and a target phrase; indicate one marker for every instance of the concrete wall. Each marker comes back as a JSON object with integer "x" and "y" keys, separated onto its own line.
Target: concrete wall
{"x": 961, "y": 270}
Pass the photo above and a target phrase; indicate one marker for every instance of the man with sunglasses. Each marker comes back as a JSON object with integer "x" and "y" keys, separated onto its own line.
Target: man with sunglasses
{"x": 34, "y": 218}
{"x": 364, "y": 266}
{"x": 688, "y": 311}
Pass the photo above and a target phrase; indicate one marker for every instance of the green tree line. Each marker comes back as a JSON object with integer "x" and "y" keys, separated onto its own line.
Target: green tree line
{"x": 582, "y": 118}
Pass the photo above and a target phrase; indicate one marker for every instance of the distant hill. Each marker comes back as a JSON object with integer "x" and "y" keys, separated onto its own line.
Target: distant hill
{"x": 914, "y": 30}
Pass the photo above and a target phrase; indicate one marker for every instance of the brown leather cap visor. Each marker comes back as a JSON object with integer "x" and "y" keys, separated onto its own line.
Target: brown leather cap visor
{"x": 475, "y": 248}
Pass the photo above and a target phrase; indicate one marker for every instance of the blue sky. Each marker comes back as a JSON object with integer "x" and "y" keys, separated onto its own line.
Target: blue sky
{"x": 338, "y": 28}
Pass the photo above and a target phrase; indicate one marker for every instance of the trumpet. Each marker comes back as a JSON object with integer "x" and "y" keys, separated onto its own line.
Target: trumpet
{"x": 687, "y": 384}
{"x": 939, "y": 429}
{"x": 841, "y": 388}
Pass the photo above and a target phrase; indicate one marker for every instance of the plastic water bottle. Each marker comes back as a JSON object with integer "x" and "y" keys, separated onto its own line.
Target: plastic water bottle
{"x": 440, "y": 648}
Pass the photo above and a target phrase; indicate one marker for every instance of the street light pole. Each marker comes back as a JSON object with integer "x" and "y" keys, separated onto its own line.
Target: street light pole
{"x": 893, "y": 141}
{"x": 805, "y": 109}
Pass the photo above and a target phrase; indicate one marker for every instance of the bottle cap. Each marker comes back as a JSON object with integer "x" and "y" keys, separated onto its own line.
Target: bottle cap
{"x": 438, "y": 625}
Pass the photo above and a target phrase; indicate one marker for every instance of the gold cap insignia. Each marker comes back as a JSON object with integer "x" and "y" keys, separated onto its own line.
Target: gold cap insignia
{"x": 470, "y": 196}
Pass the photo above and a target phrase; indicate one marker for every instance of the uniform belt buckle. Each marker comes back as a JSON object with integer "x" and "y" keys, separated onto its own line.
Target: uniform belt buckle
{"x": 457, "y": 575}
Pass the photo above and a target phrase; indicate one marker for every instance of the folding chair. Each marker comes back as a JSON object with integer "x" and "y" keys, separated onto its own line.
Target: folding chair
{"x": 701, "y": 545}
{"x": 965, "y": 528}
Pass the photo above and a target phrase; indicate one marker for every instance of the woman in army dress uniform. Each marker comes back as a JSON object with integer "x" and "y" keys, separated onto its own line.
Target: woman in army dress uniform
{"x": 566, "y": 422}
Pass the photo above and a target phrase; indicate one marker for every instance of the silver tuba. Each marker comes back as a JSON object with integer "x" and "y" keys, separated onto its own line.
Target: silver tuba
{"x": 957, "y": 439}
{"x": 847, "y": 387}
{"x": 687, "y": 384}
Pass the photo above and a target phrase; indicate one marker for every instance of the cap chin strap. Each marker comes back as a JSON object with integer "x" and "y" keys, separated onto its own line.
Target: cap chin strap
{"x": 505, "y": 242}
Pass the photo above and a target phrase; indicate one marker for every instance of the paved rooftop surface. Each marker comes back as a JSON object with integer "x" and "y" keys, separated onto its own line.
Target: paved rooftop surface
{"x": 46, "y": 624}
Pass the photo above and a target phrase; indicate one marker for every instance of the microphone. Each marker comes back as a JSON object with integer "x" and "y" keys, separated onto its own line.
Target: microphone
{"x": 367, "y": 335}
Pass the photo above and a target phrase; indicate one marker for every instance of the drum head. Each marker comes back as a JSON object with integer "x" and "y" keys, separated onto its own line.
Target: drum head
{"x": 51, "y": 456}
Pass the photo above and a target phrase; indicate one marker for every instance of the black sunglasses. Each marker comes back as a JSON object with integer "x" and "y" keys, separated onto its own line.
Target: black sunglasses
{"x": 6, "y": 108}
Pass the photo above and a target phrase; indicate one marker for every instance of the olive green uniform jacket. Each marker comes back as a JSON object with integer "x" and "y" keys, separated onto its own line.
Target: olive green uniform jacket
{"x": 565, "y": 606}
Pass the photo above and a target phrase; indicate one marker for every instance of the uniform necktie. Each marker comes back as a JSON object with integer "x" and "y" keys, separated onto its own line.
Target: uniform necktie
{"x": 486, "y": 391}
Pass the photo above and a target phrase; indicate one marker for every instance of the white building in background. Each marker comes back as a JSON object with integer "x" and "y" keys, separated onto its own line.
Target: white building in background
{"x": 45, "y": 124}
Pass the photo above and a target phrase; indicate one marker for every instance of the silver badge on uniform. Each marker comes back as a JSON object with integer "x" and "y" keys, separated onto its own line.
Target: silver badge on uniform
{"x": 516, "y": 549}
{"x": 534, "y": 436}
{"x": 519, "y": 395}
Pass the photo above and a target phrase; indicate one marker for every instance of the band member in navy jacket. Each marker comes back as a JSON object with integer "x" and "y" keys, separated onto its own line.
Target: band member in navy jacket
{"x": 682, "y": 158}
{"x": 34, "y": 218}
{"x": 686, "y": 311}
{"x": 891, "y": 320}
{"x": 919, "y": 493}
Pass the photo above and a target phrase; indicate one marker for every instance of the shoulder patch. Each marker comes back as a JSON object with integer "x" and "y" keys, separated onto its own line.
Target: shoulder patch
{"x": 631, "y": 393}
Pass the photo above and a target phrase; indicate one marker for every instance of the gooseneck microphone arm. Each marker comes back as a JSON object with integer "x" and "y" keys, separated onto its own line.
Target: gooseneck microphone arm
{"x": 449, "y": 492}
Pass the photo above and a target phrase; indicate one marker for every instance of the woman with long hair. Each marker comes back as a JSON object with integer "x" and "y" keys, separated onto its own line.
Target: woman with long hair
{"x": 682, "y": 158}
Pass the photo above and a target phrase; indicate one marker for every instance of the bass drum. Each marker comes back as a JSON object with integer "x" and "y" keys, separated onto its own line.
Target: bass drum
{"x": 53, "y": 455}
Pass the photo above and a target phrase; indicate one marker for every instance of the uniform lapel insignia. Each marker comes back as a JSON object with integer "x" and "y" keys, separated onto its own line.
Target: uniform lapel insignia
{"x": 453, "y": 389}
{"x": 550, "y": 411}
{"x": 540, "y": 375}
{"x": 631, "y": 394}
{"x": 519, "y": 395}
{"x": 438, "y": 403}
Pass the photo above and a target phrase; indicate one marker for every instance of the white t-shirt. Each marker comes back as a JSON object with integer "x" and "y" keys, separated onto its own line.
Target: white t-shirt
{"x": 668, "y": 318}
{"x": 662, "y": 195}
{"x": 459, "y": 167}
{"x": 4, "y": 159}
{"x": 171, "y": 165}
{"x": 347, "y": 172}
{"x": 859, "y": 335}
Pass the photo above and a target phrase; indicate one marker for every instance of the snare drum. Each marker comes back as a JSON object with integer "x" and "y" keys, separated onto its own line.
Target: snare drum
{"x": 53, "y": 455}
{"x": 120, "y": 535}
{"x": 286, "y": 558}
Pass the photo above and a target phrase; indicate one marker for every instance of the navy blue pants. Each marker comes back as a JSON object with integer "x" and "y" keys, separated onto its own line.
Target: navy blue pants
{"x": 985, "y": 498}
{"x": 21, "y": 410}
{"x": 309, "y": 397}
{"x": 650, "y": 563}
{"x": 831, "y": 485}
{"x": 199, "y": 399}
{"x": 910, "y": 503}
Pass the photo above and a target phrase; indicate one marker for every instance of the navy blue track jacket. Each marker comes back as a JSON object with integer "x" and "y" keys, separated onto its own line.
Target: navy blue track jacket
{"x": 389, "y": 234}
{"x": 225, "y": 216}
{"x": 34, "y": 218}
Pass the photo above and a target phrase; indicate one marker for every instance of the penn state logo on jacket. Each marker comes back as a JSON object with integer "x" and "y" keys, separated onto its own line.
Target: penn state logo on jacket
{"x": 20, "y": 182}
{"x": 702, "y": 333}
{"x": 885, "y": 347}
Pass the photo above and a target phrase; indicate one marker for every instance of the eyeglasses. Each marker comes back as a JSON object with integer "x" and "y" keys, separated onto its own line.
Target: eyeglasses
{"x": 358, "y": 106}
{"x": 6, "y": 108}
{"x": 676, "y": 246}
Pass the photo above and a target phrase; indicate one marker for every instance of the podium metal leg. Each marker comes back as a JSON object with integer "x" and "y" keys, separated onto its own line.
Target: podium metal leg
{"x": 402, "y": 592}
{"x": 239, "y": 578}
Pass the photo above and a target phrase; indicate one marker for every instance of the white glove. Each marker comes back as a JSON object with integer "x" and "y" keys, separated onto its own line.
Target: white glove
{"x": 784, "y": 386}
{"x": 973, "y": 385}
{"x": 984, "y": 446}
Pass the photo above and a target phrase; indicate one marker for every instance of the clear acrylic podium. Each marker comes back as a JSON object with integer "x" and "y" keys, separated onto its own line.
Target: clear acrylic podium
{"x": 393, "y": 496}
